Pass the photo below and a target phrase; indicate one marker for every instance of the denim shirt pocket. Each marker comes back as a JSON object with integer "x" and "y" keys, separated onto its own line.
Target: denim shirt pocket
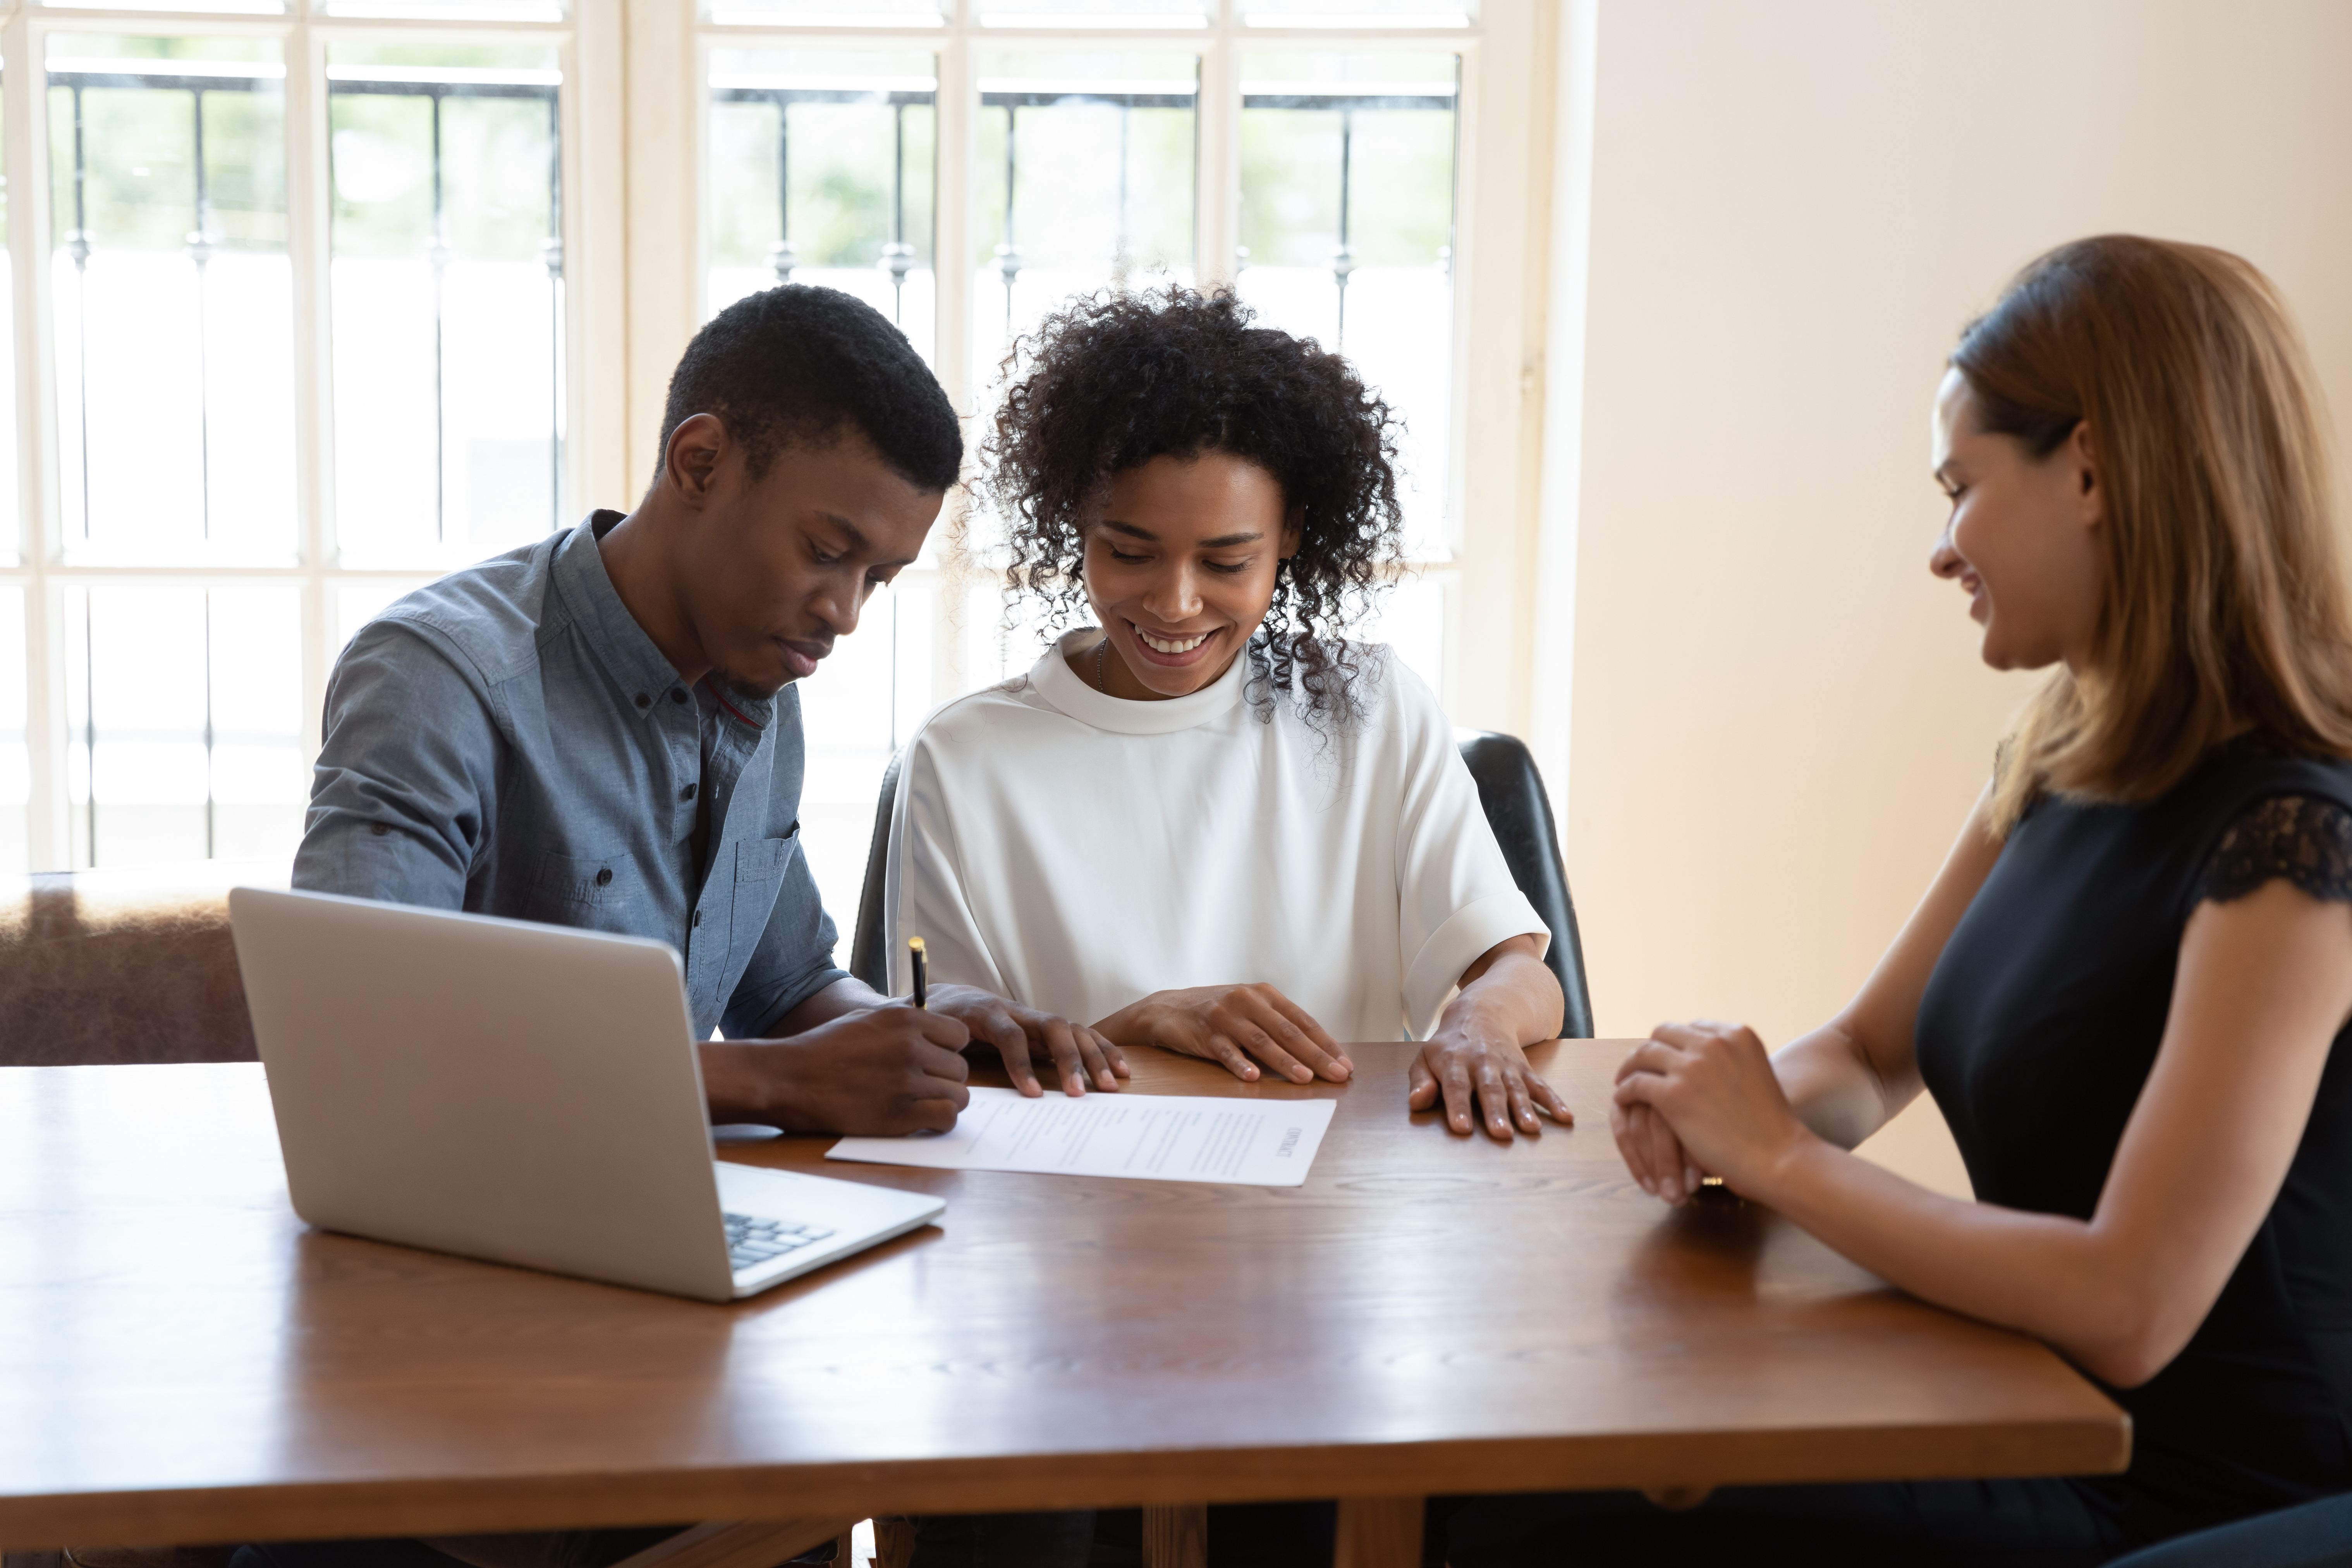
{"x": 597, "y": 892}
{"x": 760, "y": 865}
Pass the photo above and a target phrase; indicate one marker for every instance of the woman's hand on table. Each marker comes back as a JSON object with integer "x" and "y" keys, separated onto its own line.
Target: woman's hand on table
{"x": 1702, "y": 1098}
{"x": 1233, "y": 1025}
{"x": 1476, "y": 1059}
{"x": 1483, "y": 1079}
{"x": 1024, "y": 1036}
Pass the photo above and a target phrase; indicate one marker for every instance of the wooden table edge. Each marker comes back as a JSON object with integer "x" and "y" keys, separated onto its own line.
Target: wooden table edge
{"x": 2086, "y": 1445}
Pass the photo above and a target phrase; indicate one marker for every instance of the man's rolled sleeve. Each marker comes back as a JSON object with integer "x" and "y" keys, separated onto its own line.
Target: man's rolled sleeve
{"x": 793, "y": 961}
{"x": 403, "y": 786}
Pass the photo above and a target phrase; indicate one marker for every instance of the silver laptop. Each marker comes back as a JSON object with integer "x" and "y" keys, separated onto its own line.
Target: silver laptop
{"x": 523, "y": 1093}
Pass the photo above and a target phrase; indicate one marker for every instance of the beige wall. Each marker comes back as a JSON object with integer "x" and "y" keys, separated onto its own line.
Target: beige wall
{"x": 1779, "y": 716}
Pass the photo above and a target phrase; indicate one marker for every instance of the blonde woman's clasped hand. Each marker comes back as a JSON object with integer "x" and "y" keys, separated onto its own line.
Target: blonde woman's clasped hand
{"x": 1701, "y": 1098}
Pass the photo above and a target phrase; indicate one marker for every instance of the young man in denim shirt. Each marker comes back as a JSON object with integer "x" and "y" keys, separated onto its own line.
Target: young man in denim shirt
{"x": 602, "y": 730}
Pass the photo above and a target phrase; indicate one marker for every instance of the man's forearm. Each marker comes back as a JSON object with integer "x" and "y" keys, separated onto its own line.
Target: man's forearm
{"x": 847, "y": 995}
{"x": 737, "y": 1084}
{"x": 845, "y": 1065}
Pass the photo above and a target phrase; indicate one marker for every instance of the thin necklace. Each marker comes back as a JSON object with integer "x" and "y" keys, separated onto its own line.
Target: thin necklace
{"x": 1102, "y": 651}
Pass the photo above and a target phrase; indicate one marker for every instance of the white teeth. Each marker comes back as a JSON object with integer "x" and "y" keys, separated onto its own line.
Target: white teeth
{"x": 1182, "y": 644}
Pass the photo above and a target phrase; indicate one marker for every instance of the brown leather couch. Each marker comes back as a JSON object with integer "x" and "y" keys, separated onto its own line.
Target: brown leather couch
{"x": 124, "y": 966}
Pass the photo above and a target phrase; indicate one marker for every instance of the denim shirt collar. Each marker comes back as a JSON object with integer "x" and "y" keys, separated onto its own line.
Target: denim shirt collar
{"x": 640, "y": 669}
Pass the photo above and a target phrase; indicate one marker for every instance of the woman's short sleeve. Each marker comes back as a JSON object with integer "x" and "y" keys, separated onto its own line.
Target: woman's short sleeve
{"x": 1455, "y": 895}
{"x": 2306, "y": 839}
{"x": 923, "y": 886}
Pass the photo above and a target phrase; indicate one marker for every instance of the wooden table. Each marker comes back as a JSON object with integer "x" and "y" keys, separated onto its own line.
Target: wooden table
{"x": 182, "y": 1360}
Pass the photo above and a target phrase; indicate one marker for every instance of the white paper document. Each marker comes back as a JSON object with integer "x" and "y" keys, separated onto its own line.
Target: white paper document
{"x": 1150, "y": 1137}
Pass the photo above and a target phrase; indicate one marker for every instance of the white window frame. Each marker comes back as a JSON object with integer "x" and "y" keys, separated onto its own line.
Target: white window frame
{"x": 587, "y": 48}
{"x": 1501, "y": 194}
{"x": 634, "y": 120}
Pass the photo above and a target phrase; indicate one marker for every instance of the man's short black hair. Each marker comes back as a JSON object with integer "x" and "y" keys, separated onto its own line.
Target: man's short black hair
{"x": 800, "y": 363}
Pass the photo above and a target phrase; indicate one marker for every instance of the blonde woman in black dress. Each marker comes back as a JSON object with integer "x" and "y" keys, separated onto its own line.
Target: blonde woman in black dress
{"x": 2128, "y": 989}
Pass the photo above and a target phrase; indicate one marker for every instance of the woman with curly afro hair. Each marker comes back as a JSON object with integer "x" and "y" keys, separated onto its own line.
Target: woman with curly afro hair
{"x": 1208, "y": 821}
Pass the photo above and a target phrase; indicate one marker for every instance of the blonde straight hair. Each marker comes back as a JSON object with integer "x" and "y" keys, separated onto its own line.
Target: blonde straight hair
{"x": 2225, "y": 602}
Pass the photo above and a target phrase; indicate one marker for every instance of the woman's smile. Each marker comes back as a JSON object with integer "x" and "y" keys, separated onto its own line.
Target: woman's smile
{"x": 1165, "y": 650}
{"x": 1180, "y": 565}
{"x": 1979, "y": 603}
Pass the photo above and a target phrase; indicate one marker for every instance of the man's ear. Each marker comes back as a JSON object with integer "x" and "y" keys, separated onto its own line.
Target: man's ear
{"x": 2082, "y": 456}
{"x": 696, "y": 448}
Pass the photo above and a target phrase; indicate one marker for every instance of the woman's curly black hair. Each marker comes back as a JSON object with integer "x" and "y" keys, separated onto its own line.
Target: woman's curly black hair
{"x": 1111, "y": 382}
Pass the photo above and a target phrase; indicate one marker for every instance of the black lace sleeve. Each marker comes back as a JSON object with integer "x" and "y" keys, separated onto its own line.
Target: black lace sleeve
{"x": 2306, "y": 840}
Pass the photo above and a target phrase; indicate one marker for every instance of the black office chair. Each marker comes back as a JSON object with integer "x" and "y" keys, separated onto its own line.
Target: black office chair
{"x": 1509, "y": 789}
{"x": 1512, "y": 792}
{"x": 868, "y": 961}
{"x": 2315, "y": 1535}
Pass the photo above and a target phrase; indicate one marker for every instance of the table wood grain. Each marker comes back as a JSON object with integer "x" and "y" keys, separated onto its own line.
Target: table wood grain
{"x": 181, "y": 1359}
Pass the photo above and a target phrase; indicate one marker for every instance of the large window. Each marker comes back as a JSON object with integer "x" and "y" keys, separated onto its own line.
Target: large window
{"x": 312, "y": 301}
{"x": 290, "y": 317}
{"x": 447, "y": 240}
{"x": 1038, "y": 151}
{"x": 822, "y": 171}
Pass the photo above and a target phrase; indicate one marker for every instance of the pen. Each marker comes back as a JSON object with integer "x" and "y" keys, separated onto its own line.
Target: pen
{"x": 915, "y": 959}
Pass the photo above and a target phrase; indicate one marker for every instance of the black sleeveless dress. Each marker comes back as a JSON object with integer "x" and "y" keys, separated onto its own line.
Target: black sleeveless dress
{"x": 2035, "y": 1035}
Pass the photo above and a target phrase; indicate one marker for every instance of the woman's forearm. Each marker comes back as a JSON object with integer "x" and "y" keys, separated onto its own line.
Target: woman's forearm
{"x": 1834, "y": 1089}
{"x": 1509, "y": 993}
{"x": 2048, "y": 1275}
{"x": 2262, "y": 988}
{"x": 2083, "y": 1287}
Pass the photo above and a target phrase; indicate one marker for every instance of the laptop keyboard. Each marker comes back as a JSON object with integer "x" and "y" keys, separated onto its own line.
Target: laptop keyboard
{"x": 754, "y": 1239}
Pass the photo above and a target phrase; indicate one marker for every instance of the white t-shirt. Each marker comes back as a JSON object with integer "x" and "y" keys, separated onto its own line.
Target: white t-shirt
{"x": 1074, "y": 851}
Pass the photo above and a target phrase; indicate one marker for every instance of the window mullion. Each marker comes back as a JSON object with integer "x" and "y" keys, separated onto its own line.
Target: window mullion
{"x": 50, "y": 846}
{"x": 1217, "y": 181}
{"x": 665, "y": 200}
{"x": 595, "y": 244}
{"x": 1502, "y": 237}
{"x": 955, "y": 99}
{"x": 1462, "y": 258}
{"x": 308, "y": 198}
